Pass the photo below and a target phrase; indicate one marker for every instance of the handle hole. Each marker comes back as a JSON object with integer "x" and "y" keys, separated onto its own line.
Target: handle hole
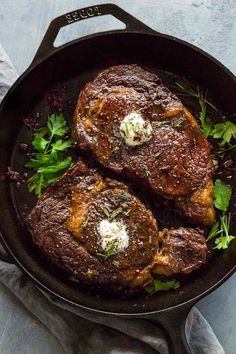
{"x": 84, "y": 28}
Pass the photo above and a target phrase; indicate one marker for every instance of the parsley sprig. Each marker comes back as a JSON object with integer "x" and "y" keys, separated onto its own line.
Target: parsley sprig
{"x": 222, "y": 196}
{"x": 159, "y": 285}
{"x": 49, "y": 160}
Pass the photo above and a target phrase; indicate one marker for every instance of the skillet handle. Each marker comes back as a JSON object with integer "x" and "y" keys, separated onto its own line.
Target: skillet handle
{"x": 173, "y": 323}
{"x": 46, "y": 47}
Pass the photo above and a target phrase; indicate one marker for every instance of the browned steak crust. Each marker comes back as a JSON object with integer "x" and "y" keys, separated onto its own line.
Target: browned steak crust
{"x": 197, "y": 208}
{"x": 181, "y": 251}
{"x": 177, "y": 159}
{"x": 64, "y": 224}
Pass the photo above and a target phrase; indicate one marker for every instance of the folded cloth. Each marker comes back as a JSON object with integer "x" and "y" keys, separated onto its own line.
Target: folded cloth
{"x": 7, "y": 73}
{"x": 46, "y": 324}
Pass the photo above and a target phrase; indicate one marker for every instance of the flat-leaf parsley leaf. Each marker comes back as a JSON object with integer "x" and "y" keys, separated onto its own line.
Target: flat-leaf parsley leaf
{"x": 222, "y": 195}
{"x": 49, "y": 160}
{"x": 159, "y": 285}
{"x": 225, "y": 131}
{"x": 57, "y": 125}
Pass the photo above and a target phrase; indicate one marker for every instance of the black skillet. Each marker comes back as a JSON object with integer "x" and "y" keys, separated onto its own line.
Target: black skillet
{"x": 72, "y": 65}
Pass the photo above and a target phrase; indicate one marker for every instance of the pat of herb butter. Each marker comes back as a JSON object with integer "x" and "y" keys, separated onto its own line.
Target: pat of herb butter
{"x": 113, "y": 235}
{"x": 135, "y": 130}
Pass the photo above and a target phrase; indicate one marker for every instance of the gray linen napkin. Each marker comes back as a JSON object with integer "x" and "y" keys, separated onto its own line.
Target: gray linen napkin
{"x": 53, "y": 326}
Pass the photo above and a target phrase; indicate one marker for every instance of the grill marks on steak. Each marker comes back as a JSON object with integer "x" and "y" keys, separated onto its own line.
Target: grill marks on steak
{"x": 175, "y": 162}
{"x": 64, "y": 224}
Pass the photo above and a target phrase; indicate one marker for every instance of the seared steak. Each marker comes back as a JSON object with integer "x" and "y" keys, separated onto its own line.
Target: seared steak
{"x": 135, "y": 126}
{"x": 197, "y": 207}
{"x": 100, "y": 234}
{"x": 95, "y": 230}
{"x": 181, "y": 251}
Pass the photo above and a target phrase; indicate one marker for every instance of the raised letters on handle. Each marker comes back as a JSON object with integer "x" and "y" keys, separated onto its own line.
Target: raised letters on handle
{"x": 75, "y": 16}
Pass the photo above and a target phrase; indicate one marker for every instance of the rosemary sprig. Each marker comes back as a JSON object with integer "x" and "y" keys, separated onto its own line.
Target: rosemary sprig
{"x": 188, "y": 90}
{"x": 224, "y": 149}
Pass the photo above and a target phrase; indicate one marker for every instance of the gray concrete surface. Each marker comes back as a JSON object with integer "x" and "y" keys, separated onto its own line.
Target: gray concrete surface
{"x": 209, "y": 24}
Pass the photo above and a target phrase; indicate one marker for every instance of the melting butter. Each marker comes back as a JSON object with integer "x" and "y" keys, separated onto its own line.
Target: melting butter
{"x": 135, "y": 130}
{"x": 113, "y": 234}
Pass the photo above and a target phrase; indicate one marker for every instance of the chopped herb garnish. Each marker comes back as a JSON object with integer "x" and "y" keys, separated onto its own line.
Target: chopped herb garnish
{"x": 85, "y": 224}
{"x": 160, "y": 99}
{"x": 163, "y": 122}
{"x": 123, "y": 195}
{"x": 89, "y": 274}
{"x": 106, "y": 212}
{"x": 161, "y": 102}
{"x": 116, "y": 263}
{"x": 127, "y": 212}
{"x": 115, "y": 213}
{"x": 49, "y": 159}
{"x": 125, "y": 129}
{"x": 110, "y": 250}
{"x": 122, "y": 209}
{"x": 222, "y": 195}
{"x": 179, "y": 122}
{"x": 159, "y": 153}
{"x": 150, "y": 239}
{"x": 159, "y": 285}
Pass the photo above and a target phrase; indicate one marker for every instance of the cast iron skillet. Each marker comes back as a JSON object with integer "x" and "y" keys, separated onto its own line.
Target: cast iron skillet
{"x": 72, "y": 65}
